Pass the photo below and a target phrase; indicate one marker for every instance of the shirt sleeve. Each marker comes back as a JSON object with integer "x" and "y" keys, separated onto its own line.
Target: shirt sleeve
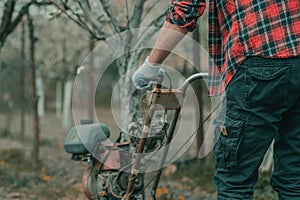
{"x": 185, "y": 13}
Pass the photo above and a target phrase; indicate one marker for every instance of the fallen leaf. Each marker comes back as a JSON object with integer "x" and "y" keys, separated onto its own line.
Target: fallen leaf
{"x": 165, "y": 190}
{"x": 46, "y": 178}
{"x": 60, "y": 147}
{"x": 159, "y": 193}
{"x": 2, "y": 163}
{"x": 43, "y": 169}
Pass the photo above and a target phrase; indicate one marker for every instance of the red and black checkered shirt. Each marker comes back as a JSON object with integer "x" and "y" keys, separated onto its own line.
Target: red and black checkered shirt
{"x": 241, "y": 28}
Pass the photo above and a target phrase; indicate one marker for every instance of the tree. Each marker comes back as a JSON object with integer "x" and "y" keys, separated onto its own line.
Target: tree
{"x": 13, "y": 12}
{"x": 103, "y": 18}
{"x": 63, "y": 56}
{"x": 57, "y": 57}
{"x": 36, "y": 121}
{"x": 22, "y": 79}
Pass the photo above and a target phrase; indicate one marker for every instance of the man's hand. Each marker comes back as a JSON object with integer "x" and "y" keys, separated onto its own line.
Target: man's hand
{"x": 169, "y": 36}
{"x": 146, "y": 74}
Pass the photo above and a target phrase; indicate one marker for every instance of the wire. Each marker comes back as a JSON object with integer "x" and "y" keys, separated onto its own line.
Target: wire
{"x": 111, "y": 191}
{"x": 157, "y": 174}
{"x": 144, "y": 101}
{"x": 195, "y": 132}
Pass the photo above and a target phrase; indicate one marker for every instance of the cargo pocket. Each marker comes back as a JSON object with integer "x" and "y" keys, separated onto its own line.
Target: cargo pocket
{"x": 266, "y": 85}
{"x": 226, "y": 149}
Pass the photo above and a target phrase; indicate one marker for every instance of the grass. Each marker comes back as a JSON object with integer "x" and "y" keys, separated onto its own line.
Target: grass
{"x": 13, "y": 162}
{"x": 17, "y": 175}
{"x": 201, "y": 175}
{"x": 263, "y": 190}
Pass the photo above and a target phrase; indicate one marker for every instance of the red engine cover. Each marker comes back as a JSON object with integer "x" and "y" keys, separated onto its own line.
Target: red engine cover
{"x": 89, "y": 183}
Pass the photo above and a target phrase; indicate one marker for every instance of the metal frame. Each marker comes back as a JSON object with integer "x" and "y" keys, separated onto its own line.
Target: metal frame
{"x": 170, "y": 99}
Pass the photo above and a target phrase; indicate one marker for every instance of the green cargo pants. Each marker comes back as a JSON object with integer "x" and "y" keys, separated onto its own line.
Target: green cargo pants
{"x": 262, "y": 104}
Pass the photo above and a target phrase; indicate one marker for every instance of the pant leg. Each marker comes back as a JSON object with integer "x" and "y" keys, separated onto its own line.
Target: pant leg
{"x": 237, "y": 170}
{"x": 255, "y": 104}
{"x": 286, "y": 175}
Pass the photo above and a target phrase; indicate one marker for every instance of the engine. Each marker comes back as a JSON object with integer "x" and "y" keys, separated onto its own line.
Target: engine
{"x": 109, "y": 172}
{"x": 110, "y": 184}
{"x": 106, "y": 181}
{"x": 157, "y": 133}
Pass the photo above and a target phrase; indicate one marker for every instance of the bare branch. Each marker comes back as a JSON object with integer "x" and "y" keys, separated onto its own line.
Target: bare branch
{"x": 136, "y": 14}
{"x": 8, "y": 24}
{"x": 86, "y": 8}
{"x": 111, "y": 18}
{"x": 158, "y": 22}
{"x": 150, "y": 9}
{"x": 155, "y": 23}
{"x": 66, "y": 13}
{"x": 24, "y": 11}
{"x": 7, "y": 14}
{"x": 127, "y": 13}
{"x": 76, "y": 20}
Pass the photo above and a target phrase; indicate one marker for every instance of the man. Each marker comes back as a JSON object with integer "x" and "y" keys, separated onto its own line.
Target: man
{"x": 255, "y": 46}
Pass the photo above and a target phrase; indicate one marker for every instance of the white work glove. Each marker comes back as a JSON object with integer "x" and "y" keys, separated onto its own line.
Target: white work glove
{"x": 146, "y": 74}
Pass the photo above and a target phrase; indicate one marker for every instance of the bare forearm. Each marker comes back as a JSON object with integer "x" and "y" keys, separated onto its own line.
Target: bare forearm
{"x": 169, "y": 36}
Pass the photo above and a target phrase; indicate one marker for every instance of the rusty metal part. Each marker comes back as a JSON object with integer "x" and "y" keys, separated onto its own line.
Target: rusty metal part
{"x": 169, "y": 99}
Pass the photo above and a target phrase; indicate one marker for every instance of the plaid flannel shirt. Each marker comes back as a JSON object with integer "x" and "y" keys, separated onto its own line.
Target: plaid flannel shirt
{"x": 241, "y": 28}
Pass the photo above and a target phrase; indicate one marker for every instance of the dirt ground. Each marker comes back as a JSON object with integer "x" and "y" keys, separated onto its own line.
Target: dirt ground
{"x": 58, "y": 177}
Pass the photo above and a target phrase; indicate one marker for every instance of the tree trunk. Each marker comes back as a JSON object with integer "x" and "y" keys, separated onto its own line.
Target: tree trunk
{"x": 67, "y": 104}
{"x": 58, "y": 101}
{"x": 8, "y": 21}
{"x": 22, "y": 82}
{"x": 130, "y": 102}
{"x": 40, "y": 94}
{"x": 100, "y": 30}
{"x": 136, "y": 14}
{"x": 9, "y": 116}
{"x": 36, "y": 121}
